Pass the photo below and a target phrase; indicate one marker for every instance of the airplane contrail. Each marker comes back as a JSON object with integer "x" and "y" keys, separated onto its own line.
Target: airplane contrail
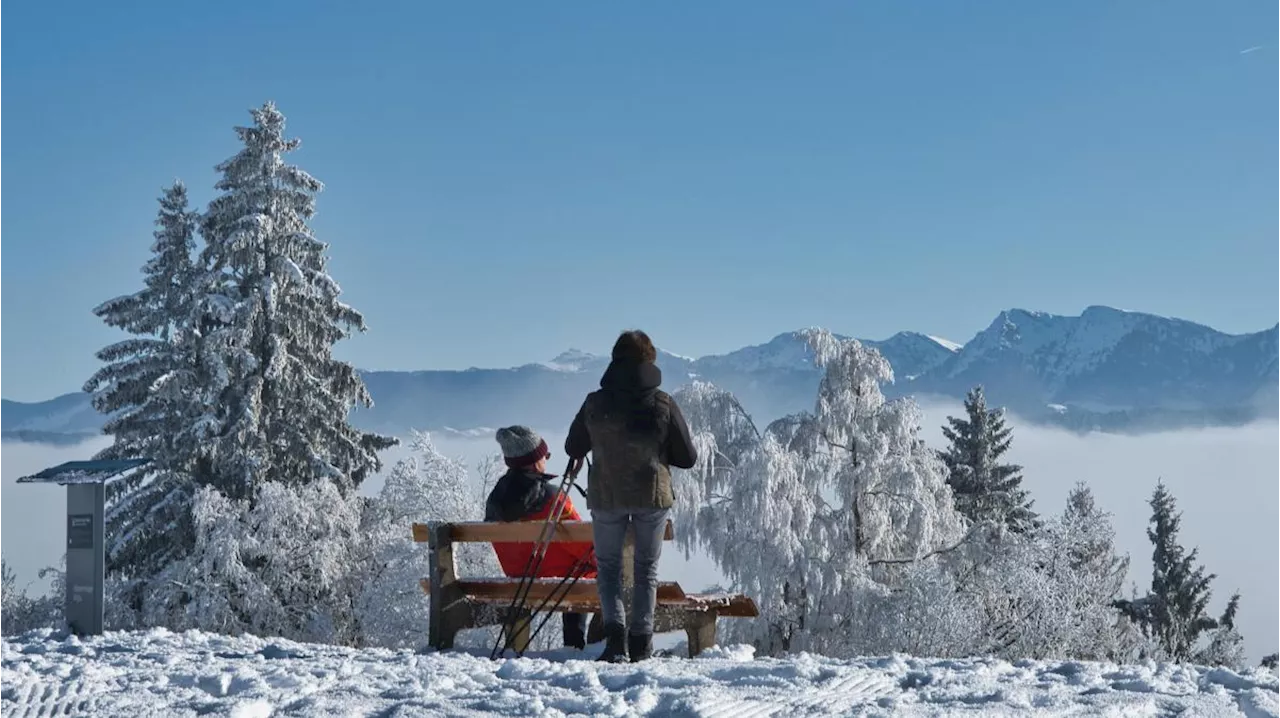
{"x": 1248, "y": 50}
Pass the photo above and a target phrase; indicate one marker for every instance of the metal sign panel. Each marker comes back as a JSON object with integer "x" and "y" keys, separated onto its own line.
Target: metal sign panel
{"x": 80, "y": 531}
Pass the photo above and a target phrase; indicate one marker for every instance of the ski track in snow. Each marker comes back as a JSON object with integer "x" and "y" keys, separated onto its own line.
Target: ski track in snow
{"x": 159, "y": 673}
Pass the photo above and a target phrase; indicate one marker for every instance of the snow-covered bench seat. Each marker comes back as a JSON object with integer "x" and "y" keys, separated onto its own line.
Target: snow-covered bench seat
{"x": 461, "y": 603}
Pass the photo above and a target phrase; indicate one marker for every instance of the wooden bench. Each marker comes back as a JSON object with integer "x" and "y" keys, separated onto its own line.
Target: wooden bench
{"x": 461, "y": 603}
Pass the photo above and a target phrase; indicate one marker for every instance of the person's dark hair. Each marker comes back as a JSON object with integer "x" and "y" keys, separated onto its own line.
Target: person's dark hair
{"x": 634, "y": 346}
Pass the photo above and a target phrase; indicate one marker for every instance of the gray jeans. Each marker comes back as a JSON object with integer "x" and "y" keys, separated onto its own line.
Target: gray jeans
{"x": 609, "y": 528}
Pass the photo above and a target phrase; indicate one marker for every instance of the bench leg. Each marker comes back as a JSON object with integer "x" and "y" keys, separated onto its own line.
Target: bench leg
{"x": 443, "y": 635}
{"x": 701, "y": 630}
{"x": 518, "y": 635}
{"x": 450, "y": 611}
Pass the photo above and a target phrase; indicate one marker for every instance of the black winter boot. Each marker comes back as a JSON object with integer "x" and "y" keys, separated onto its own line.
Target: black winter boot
{"x": 615, "y": 644}
{"x": 640, "y": 647}
{"x": 574, "y": 630}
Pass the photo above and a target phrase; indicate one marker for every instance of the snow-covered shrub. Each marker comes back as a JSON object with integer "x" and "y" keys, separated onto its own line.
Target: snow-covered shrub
{"x": 284, "y": 563}
{"x": 20, "y": 612}
{"x": 1049, "y": 592}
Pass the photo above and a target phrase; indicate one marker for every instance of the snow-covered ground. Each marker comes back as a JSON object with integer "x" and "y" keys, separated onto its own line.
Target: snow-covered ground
{"x": 158, "y": 673}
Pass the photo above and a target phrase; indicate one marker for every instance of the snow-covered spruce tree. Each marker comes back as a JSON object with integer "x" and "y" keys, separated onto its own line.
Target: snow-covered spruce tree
{"x": 424, "y": 487}
{"x": 284, "y": 400}
{"x": 1226, "y": 645}
{"x": 150, "y": 388}
{"x": 159, "y": 314}
{"x": 984, "y": 488}
{"x": 824, "y": 516}
{"x": 276, "y": 440}
{"x": 1172, "y": 614}
{"x": 1272, "y": 661}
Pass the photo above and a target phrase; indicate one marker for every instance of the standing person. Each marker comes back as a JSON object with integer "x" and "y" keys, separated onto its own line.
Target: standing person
{"x": 523, "y": 494}
{"x": 636, "y": 433}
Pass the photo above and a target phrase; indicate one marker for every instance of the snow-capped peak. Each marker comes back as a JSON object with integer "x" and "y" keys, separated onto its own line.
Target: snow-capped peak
{"x": 1059, "y": 346}
{"x": 946, "y": 343}
{"x": 673, "y": 355}
{"x": 571, "y": 360}
{"x": 789, "y": 350}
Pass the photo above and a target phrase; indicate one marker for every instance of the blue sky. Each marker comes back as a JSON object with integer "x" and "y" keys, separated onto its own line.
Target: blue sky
{"x": 507, "y": 180}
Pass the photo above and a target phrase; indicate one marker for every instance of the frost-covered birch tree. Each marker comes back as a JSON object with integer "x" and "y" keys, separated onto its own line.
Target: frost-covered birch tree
{"x": 423, "y": 487}
{"x": 283, "y": 399}
{"x": 822, "y": 512}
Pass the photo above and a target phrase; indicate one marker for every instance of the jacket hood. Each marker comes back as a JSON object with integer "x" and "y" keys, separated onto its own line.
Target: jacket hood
{"x": 631, "y": 378}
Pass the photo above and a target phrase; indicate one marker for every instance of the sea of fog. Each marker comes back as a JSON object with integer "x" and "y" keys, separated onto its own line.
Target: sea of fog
{"x": 1225, "y": 482}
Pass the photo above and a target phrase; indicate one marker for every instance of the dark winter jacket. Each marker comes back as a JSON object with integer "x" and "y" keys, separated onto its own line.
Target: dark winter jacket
{"x": 635, "y": 433}
{"x": 522, "y": 495}
{"x": 518, "y": 494}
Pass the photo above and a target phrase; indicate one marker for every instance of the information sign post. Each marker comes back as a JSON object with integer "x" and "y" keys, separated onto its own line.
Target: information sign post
{"x": 86, "y": 483}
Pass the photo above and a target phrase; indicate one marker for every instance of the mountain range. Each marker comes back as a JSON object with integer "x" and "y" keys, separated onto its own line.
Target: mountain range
{"x": 1106, "y": 369}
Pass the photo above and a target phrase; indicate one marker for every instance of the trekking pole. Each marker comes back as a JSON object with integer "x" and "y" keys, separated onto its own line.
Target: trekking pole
{"x": 554, "y": 597}
{"x": 579, "y": 568}
{"x": 535, "y": 559}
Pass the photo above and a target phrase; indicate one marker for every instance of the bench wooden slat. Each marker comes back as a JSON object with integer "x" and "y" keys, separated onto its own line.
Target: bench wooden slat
{"x": 518, "y": 532}
{"x": 733, "y": 605}
{"x": 499, "y": 590}
{"x": 583, "y": 597}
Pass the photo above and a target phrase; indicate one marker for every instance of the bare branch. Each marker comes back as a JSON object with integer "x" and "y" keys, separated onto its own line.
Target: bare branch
{"x": 973, "y": 531}
{"x": 737, "y": 406}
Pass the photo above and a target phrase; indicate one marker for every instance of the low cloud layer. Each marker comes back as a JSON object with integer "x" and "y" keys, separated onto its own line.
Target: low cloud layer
{"x": 1225, "y": 481}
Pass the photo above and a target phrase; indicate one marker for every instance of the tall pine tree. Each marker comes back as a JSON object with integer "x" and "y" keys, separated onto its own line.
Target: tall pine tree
{"x": 1172, "y": 614}
{"x": 283, "y": 400}
{"x": 984, "y": 488}
{"x": 157, "y": 313}
{"x": 149, "y": 387}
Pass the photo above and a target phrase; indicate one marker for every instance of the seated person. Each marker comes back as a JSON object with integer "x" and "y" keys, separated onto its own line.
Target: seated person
{"x": 523, "y": 494}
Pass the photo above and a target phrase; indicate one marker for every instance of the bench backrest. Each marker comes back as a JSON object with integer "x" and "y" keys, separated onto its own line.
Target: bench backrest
{"x": 518, "y": 532}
